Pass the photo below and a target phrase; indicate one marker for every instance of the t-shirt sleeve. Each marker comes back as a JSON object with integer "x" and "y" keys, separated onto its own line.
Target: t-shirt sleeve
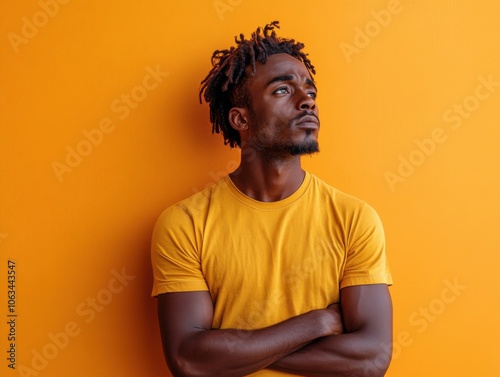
{"x": 366, "y": 261}
{"x": 175, "y": 254}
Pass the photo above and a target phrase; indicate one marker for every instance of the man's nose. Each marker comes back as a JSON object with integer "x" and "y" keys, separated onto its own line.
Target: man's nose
{"x": 306, "y": 102}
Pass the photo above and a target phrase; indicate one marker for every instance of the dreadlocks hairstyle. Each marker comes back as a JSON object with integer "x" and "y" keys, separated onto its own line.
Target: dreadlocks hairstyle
{"x": 225, "y": 85}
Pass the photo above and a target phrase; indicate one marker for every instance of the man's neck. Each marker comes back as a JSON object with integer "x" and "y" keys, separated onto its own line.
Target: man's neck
{"x": 268, "y": 180}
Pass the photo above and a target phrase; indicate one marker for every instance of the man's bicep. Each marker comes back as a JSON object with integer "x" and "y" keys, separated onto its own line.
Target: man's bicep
{"x": 368, "y": 309}
{"x": 182, "y": 315}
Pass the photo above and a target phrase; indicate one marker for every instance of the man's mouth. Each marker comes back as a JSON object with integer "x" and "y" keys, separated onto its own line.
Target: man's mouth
{"x": 308, "y": 122}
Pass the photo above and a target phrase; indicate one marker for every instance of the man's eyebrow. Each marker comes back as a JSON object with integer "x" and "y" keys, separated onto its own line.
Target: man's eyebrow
{"x": 285, "y": 78}
{"x": 311, "y": 83}
{"x": 280, "y": 79}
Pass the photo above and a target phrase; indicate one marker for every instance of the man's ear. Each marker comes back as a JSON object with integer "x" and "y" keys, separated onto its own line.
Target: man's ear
{"x": 238, "y": 118}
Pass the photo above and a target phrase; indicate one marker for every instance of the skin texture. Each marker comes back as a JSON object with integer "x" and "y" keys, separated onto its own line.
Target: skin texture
{"x": 350, "y": 339}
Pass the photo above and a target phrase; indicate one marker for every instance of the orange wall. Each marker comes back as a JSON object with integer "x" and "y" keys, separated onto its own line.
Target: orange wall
{"x": 101, "y": 130}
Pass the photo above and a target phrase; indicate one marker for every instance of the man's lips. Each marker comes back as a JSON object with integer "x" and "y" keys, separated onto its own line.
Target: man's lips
{"x": 308, "y": 121}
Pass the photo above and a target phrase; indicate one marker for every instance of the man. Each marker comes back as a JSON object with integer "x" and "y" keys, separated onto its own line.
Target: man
{"x": 270, "y": 272}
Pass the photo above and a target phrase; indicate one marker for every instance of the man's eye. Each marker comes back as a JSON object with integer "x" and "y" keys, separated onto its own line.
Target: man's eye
{"x": 312, "y": 94}
{"x": 281, "y": 91}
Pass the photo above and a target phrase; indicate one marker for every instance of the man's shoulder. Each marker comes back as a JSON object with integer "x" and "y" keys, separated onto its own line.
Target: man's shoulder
{"x": 346, "y": 206}
{"x": 326, "y": 191}
{"x": 199, "y": 201}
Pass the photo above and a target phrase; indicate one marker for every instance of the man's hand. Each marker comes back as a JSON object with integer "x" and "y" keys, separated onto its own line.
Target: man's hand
{"x": 367, "y": 319}
{"x": 337, "y": 327}
{"x": 328, "y": 320}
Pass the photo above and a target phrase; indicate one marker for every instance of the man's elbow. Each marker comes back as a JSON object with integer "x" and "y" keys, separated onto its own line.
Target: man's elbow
{"x": 377, "y": 361}
{"x": 180, "y": 367}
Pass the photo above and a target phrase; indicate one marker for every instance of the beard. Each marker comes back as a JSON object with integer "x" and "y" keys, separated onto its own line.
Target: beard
{"x": 283, "y": 148}
{"x": 307, "y": 147}
{"x": 299, "y": 150}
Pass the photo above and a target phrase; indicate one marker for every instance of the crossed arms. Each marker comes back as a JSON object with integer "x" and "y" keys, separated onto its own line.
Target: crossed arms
{"x": 355, "y": 340}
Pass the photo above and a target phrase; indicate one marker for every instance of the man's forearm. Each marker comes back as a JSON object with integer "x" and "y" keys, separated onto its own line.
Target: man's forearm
{"x": 364, "y": 350}
{"x": 342, "y": 355}
{"x": 232, "y": 352}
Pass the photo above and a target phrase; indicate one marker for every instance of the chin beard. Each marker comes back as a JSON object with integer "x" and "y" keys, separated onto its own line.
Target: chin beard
{"x": 286, "y": 150}
{"x": 303, "y": 149}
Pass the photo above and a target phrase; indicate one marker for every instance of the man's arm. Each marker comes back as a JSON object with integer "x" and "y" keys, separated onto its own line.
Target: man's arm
{"x": 364, "y": 350}
{"x": 192, "y": 348}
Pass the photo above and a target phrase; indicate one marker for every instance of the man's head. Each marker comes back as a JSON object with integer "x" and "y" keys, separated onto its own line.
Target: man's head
{"x": 228, "y": 86}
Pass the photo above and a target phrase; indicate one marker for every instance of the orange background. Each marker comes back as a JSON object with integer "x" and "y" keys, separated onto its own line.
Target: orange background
{"x": 392, "y": 75}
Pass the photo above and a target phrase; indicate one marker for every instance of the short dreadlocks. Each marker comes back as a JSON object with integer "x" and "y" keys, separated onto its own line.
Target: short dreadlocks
{"x": 225, "y": 85}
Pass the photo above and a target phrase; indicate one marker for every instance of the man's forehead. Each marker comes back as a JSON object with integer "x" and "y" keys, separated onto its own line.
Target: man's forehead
{"x": 280, "y": 65}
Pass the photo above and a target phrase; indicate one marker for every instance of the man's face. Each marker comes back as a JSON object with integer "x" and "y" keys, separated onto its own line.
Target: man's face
{"x": 283, "y": 119}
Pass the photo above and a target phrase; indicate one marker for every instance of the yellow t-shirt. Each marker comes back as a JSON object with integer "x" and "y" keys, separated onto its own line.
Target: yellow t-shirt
{"x": 264, "y": 262}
